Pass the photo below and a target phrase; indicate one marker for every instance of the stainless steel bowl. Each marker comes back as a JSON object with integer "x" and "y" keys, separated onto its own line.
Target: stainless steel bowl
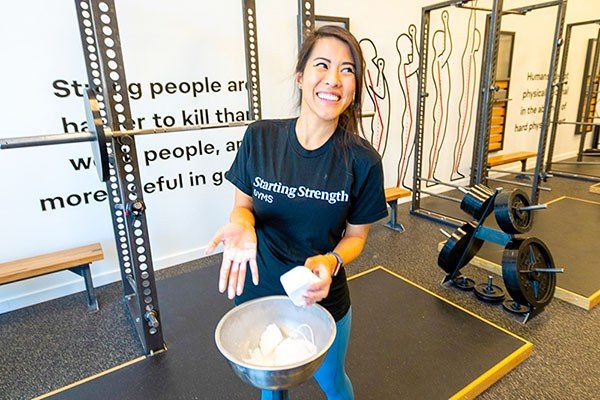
{"x": 239, "y": 331}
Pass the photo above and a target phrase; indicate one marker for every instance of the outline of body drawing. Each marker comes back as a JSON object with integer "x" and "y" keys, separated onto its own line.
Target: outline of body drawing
{"x": 378, "y": 90}
{"x": 442, "y": 48}
{"x": 408, "y": 77}
{"x": 467, "y": 96}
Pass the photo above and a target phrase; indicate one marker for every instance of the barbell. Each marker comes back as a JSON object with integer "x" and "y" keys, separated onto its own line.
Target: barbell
{"x": 98, "y": 135}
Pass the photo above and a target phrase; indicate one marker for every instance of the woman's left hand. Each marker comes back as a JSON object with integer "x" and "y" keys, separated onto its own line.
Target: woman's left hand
{"x": 322, "y": 267}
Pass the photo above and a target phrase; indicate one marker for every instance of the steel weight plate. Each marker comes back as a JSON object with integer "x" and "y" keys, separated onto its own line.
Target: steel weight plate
{"x": 476, "y": 201}
{"x": 463, "y": 283}
{"x": 489, "y": 293}
{"x": 520, "y": 260}
{"x": 508, "y": 216}
{"x": 462, "y": 241}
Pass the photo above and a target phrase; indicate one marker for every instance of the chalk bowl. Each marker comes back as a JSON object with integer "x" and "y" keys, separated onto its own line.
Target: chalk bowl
{"x": 239, "y": 331}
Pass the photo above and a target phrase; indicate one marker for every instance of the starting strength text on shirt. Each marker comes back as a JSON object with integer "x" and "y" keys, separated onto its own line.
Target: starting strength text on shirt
{"x": 293, "y": 192}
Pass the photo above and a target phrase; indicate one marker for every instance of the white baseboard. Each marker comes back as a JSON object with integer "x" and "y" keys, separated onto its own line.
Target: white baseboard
{"x": 75, "y": 285}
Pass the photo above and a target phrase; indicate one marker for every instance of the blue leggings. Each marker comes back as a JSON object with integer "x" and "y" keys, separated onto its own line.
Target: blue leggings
{"x": 331, "y": 375}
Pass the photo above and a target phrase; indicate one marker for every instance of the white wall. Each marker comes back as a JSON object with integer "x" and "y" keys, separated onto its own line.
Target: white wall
{"x": 531, "y": 56}
{"x": 182, "y": 41}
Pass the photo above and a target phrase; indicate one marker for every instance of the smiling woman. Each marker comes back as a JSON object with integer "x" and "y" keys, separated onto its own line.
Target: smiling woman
{"x": 307, "y": 191}
{"x": 338, "y": 76}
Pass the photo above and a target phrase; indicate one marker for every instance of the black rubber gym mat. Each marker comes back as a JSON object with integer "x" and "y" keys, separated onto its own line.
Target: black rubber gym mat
{"x": 405, "y": 343}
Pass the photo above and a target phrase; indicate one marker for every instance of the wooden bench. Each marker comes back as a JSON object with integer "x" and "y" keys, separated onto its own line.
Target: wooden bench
{"x": 76, "y": 260}
{"x": 521, "y": 156}
{"x": 392, "y": 194}
{"x": 511, "y": 158}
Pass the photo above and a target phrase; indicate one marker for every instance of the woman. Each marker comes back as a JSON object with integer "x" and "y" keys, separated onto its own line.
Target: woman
{"x": 307, "y": 191}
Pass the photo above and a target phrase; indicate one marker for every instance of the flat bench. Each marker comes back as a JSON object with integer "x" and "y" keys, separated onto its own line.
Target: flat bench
{"x": 392, "y": 194}
{"x": 521, "y": 156}
{"x": 76, "y": 260}
{"x": 511, "y": 158}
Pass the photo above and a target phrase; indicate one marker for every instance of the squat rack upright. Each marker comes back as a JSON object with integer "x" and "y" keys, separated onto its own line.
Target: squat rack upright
{"x": 586, "y": 120}
{"x": 479, "y": 168}
{"x": 107, "y": 105}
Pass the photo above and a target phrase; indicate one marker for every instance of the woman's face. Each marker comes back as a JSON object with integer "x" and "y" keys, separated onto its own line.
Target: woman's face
{"x": 328, "y": 81}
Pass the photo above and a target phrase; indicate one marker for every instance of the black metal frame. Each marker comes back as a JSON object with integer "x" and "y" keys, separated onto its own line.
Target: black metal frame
{"x": 306, "y": 19}
{"x": 507, "y": 99}
{"x": 329, "y": 18}
{"x": 585, "y": 94}
{"x": 105, "y": 69}
{"x": 479, "y": 170}
{"x": 549, "y": 168}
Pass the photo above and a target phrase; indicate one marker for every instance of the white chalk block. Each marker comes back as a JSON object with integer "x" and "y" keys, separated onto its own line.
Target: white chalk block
{"x": 295, "y": 282}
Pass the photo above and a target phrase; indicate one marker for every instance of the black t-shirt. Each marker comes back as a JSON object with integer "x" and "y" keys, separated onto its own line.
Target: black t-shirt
{"x": 302, "y": 201}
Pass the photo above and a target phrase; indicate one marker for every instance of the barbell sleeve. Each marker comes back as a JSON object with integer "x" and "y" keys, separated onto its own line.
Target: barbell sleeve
{"x": 45, "y": 140}
{"x": 551, "y": 270}
{"x": 78, "y": 137}
{"x": 533, "y": 207}
{"x": 445, "y": 233}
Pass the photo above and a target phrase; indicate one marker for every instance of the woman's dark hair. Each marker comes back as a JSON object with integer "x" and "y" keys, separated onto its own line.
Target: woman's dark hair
{"x": 349, "y": 119}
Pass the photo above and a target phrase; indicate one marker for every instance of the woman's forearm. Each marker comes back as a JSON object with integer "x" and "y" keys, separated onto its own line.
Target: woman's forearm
{"x": 242, "y": 215}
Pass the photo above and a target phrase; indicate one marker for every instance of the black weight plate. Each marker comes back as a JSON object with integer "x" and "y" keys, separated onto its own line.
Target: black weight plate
{"x": 483, "y": 292}
{"x": 96, "y": 127}
{"x": 508, "y": 216}
{"x": 476, "y": 201}
{"x": 515, "y": 308}
{"x": 462, "y": 241}
{"x": 463, "y": 283}
{"x": 520, "y": 259}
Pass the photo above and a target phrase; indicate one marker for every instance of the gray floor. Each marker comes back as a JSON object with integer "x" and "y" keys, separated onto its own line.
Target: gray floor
{"x": 55, "y": 343}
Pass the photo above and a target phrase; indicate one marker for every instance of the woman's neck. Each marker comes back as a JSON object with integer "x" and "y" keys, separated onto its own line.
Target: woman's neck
{"x": 312, "y": 133}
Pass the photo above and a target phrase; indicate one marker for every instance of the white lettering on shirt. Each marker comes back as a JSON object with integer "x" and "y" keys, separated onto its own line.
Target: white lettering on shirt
{"x": 301, "y": 191}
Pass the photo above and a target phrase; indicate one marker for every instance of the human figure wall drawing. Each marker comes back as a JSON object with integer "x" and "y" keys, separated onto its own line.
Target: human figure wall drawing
{"x": 408, "y": 77}
{"x": 467, "y": 96}
{"x": 378, "y": 90}
{"x": 442, "y": 48}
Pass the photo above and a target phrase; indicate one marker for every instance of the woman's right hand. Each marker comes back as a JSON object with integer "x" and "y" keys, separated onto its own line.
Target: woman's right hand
{"x": 239, "y": 250}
